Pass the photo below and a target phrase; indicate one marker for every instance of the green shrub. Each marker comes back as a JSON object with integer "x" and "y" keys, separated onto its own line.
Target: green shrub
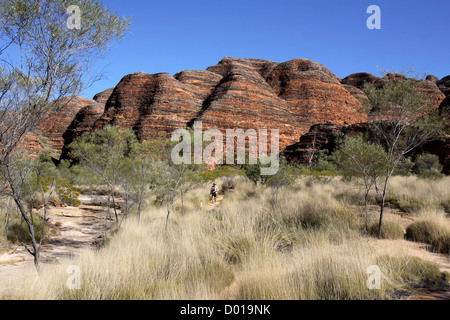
{"x": 222, "y": 171}
{"x": 404, "y": 167}
{"x": 325, "y": 165}
{"x": 445, "y": 275}
{"x": 253, "y": 172}
{"x": 431, "y": 174}
{"x": 18, "y": 231}
{"x": 321, "y": 176}
{"x": 427, "y": 166}
{"x": 389, "y": 230}
{"x": 67, "y": 193}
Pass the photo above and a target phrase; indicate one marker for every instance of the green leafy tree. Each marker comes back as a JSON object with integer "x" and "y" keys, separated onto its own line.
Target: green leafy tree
{"x": 170, "y": 175}
{"x": 27, "y": 178}
{"x": 253, "y": 172}
{"x": 139, "y": 175}
{"x": 362, "y": 159}
{"x": 403, "y": 118}
{"x": 102, "y": 153}
{"x": 42, "y": 60}
{"x": 284, "y": 178}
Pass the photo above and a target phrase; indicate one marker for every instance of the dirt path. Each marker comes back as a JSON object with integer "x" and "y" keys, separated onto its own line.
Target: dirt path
{"x": 401, "y": 246}
{"x": 78, "y": 228}
{"x": 212, "y": 205}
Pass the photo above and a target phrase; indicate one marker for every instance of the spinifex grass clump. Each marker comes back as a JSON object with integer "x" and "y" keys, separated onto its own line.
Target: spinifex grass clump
{"x": 429, "y": 232}
{"x": 433, "y": 228}
{"x": 390, "y": 230}
{"x": 410, "y": 271}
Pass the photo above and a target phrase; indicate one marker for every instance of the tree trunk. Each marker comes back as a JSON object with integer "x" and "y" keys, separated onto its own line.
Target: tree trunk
{"x": 139, "y": 209}
{"x": 36, "y": 246}
{"x": 182, "y": 202}
{"x": 365, "y": 209}
{"x": 167, "y": 219}
{"x": 7, "y": 215}
{"x": 114, "y": 206}
{"x": 382, "y": 205}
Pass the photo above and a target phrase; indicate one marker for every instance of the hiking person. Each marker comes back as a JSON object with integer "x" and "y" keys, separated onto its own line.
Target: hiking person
{"x": 213, "y": 192}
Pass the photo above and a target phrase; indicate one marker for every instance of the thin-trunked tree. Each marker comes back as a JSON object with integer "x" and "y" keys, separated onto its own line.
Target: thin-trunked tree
{"x": 360, "y": 158}
{"x": 403, "y": 118}
{"x": 43, "y": 60}
{"x": 104, "y": 153}
{"x": 27, "y": 179}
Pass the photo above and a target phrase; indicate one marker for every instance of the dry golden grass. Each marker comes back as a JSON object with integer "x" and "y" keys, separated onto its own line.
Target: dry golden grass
{"x": 413, "y": 194}
{"x": 308, "y": 245}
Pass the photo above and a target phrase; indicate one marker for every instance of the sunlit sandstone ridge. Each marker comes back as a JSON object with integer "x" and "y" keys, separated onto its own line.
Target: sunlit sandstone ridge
{"x": 235, "y": 93}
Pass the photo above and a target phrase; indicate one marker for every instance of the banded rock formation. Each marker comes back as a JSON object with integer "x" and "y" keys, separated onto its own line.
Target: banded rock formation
{"x": 235, "y": 93}
{"x": 324, "y": 137}
{"x": 53, "y": 126}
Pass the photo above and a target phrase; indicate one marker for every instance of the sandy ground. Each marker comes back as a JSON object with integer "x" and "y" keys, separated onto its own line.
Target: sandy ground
{"x": 417, "y": 249}
{"x": 79, "y": 227}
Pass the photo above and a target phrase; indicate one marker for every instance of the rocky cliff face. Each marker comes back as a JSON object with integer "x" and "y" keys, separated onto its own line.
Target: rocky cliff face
{"x": 324, "y": 137}
{"x": 48, "y": 135}
{"x": 320, "y": 137}
{"x": 54, "y": 126}
{"x": 444, "y": 85}
{"x": 236, "y": 93}
{"x": 83, "y": 122}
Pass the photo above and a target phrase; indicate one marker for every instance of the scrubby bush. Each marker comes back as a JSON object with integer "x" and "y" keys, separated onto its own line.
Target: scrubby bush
{"x": 410, "y": 206}
{"x": 67, "y": 193}
{"x": 221, "y": 171}
{"x": 325, "y": 165}
{"x": 428, "y": 166}
{"x": 404, "y": 167}
{"x": 18, "y": 231}
{"x": 318, "y": 176}
{"x": 253, "y": 172}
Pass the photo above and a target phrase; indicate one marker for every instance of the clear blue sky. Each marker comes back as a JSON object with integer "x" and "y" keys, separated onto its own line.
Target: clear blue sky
{"x": 175, "y": 35}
